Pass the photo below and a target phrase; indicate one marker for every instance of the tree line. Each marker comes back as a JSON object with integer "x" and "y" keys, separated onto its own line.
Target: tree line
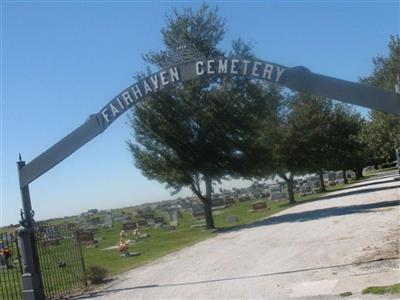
{"x": 200, "y": 132}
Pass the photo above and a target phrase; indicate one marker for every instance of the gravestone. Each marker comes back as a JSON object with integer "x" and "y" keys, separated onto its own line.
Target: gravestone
{"x": 217, "y": 204}
{"x": 158, "y": 220}
{"x": 244, "y": 198}
{"x": 198, "y": 210}
{"x": 108, "y": 221}
{"x": 127, "y": 225}
{"x": 169, "y": 227}
{"x": 85, "y": 237}
{"x": 148, "y": 210}
{"x": 229, "y": 201}
{"x": 305, "y": 189}
{"x": 148, "y": 216}
{"x": 142, "y": 222}
{"x": 70, "y": 226}
{"x": 278, "y": 196}
{"x": 91, "y": 229}
{"x": 53, "y": 242}
{"x": 259, "y": 206}
{"x": 316, "y": 185}
{"x": 339, "y": 177}
{"x": 331, "y": 176}
{"x": 52, "y": 233}
{"x": 232, "y": 219}
{"x": 174, "y": 217}
{"x": 94, "y": 220}
{"x": 275, "y": 188}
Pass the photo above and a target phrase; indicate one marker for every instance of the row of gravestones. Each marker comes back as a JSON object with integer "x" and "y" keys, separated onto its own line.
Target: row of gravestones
{"x": 256, "y": 207}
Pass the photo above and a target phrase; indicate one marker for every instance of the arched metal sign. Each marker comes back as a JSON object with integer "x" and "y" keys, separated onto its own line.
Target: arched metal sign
{"x": 297, "y": 78}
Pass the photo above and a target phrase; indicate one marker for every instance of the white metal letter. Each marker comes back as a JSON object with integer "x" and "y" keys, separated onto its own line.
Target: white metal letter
{"x": 173, "y": 72}
{"x": 233, "y": 66}
{"x": 209, "y": 66}
{"x": 136, "y": 91}
{"x": 127, "y": 98}
{"x": 105, "y": 115}
{"x": 147, "y": 88}
{"x": 255, "y": 66}
{"x": 279, "y": 73}
{"x": 223, "y": 66}
{"x": 198, "y": 70}
{"x": 268, "y": 70}
{"x": 164, "y": 80}
{"x": 245, "y": 63}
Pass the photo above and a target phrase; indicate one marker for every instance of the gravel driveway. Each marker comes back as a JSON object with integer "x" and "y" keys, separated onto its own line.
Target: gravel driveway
{"x": 344, "y": 242}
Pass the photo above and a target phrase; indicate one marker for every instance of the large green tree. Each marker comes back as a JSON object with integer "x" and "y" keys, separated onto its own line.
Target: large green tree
{"x": 302, "y": 142}
{"x": 347, "y": 148}
{"x": 383, "y": 129}
{"x": 204, "y": 130}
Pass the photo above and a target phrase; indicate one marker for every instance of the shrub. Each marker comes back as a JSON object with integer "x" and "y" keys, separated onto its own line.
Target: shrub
{"x": 96, "y": 274}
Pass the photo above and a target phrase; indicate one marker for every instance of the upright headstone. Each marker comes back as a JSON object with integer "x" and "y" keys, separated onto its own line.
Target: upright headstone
{"x": 244, "y": 198}
{"x": 148, "y": 216}
{"x": 142, "y": 222}
{"x": 316, "y": 185}
{"x": 158, "y": 220}
{"x": 174, "y": 217}
{"x": 277, "y": 196}
{"x": 331, "y": 177}
{"x": 197, "y": 211}
{"x": 217, "y": 203}
{"x": 339, "y": 177}
{"x": 85, "y": 237}
{"x": 229, "y": 201}
{"x": 108, "y": 221}
{"x": 128, "y": 225}
{"x": 275, "y": 188}
{"x": 305, "y": 189}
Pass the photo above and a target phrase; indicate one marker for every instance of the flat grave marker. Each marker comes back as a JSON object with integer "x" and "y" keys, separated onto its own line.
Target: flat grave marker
{"x": 232, "y": 219}
{"x": 259, "y": 206}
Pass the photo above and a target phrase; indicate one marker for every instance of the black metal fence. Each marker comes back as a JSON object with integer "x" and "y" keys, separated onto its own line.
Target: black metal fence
{"x": 61, "y": 260}
{"x": 10, "y": 267}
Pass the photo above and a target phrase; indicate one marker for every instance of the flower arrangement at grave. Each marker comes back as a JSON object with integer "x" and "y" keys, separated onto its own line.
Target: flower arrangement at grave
{"x": 5, "y": 254}
{"x": 136, "y": 232}
{"x": 123, "y": 244}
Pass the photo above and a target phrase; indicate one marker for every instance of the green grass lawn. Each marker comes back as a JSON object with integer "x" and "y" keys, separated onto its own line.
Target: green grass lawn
{"x": 380, "y": 290}
{"x": 163, "y": 242}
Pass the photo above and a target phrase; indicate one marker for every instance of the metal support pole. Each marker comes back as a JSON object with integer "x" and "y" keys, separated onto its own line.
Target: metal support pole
{"x": 32, "y": 285}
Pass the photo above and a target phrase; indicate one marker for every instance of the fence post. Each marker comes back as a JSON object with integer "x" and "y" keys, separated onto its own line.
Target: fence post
{"x": 32, "y": 285}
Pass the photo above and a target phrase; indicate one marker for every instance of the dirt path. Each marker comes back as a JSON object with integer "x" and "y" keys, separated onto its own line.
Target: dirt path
{"x": 345, "y": 242}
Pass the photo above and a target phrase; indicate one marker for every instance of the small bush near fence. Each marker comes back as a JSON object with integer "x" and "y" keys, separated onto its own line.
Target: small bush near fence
{"x": 96, "y": 274}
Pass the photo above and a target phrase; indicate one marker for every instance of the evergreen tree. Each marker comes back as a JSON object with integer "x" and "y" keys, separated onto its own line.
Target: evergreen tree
{"x": 201, "y": 131}
{"x": 383, "y": 130}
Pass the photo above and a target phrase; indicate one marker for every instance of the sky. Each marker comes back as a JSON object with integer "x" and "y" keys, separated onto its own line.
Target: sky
{"x": 64, "y": 60}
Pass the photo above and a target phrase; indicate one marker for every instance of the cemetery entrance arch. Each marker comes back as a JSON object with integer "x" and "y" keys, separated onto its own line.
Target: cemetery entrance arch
{"x": 186, "y": 68}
